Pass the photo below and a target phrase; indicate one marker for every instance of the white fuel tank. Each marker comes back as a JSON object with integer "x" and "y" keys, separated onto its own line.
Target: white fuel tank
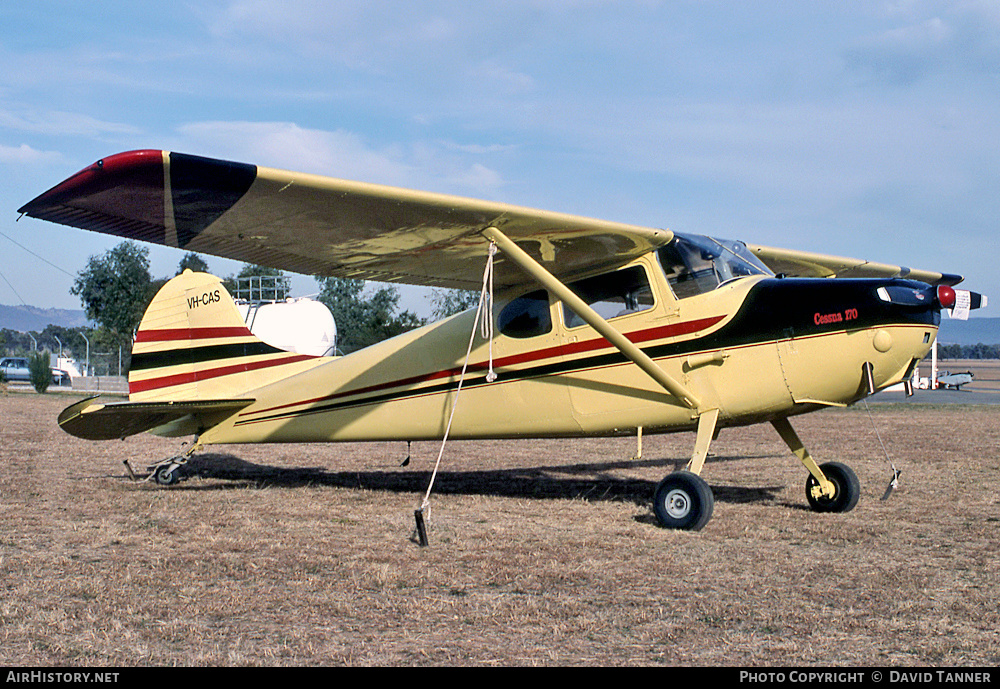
{"x": 303, "y": 326}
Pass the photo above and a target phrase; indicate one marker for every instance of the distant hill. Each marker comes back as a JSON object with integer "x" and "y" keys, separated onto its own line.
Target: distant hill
{"x": 31, "y": 318}
{"x": 970, "y": 332}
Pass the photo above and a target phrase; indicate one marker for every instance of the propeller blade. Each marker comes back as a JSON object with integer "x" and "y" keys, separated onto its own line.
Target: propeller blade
{"x": 960, "y": 301}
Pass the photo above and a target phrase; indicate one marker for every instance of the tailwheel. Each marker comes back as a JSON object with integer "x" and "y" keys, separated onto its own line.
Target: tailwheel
{"x": 683, "y": 500}
{"x": 847, "y": 489}
{"x": 167, "y": 474}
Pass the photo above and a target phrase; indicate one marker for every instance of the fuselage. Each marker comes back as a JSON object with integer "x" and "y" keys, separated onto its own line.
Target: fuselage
{"x": 754, "y": 346}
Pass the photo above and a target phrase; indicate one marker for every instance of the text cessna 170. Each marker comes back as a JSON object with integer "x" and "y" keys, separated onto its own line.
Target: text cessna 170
{"x": 598, "y": 328}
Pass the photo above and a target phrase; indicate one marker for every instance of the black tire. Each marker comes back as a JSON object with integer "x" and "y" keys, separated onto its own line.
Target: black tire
{"x": 167, "y": 475}
{"x": 848, "y": 489}
{"x": 683, "y": 501}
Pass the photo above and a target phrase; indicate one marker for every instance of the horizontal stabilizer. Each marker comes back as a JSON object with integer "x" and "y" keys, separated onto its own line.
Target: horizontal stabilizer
{"x": 93, "y": 420}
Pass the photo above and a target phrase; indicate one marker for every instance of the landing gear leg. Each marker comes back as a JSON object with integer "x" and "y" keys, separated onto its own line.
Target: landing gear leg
{"x": 684, "y": 500}
{"x": 832, "y": 487}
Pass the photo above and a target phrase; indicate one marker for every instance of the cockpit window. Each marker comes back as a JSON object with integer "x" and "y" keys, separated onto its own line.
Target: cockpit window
{"x": 612, "y": 294}
{"x": 695, "y": 265}
{"x": 526, "y": 316}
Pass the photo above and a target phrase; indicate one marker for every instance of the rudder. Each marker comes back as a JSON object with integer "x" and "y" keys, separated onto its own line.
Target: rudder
{"x": 192, "y": 344}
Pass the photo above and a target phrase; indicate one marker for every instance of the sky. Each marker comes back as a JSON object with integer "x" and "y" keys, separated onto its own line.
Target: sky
{"x": 861, "y": 129}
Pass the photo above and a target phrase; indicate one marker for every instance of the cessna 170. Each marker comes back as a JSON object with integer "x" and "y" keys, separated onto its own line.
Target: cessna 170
{"x": 598, "y": 328}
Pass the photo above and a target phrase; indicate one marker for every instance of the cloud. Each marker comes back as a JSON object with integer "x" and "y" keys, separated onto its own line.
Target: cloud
{"x": 25, "y": 154}
{"x": 56, "y": 122}
{"x": 340, "y": 153}
{"x": 355, "y": 34}
{"x": 963, "y": 40}
{"x": 903, "y": 55}
{"x": 501, "y": 77}
{"x": 287, "y": 145}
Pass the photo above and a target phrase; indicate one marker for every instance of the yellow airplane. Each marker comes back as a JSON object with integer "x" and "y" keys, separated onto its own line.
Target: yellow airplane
{"x": 585, "y": 327}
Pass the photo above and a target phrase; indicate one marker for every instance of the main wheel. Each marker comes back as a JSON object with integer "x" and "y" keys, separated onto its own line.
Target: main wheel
{"x": 683, "y": 501}
{"x": 847, "y": 492}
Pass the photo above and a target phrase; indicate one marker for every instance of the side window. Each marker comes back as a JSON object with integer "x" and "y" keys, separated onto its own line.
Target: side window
{"x": 526, "y": 316}
{"x": 695, "y": 265}
{"x": 612, "y": 294}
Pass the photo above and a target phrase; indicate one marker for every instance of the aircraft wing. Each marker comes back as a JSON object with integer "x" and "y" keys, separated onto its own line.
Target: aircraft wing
{"x": 805, "y": 264}
{"x": 323, "y": 226}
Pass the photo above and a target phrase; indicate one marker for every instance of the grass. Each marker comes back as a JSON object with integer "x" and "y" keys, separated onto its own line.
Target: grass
{"x": 541, "y": 552}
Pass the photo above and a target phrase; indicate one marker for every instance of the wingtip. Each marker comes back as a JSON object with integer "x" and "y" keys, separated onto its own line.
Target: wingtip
{"x": 98, "y": 177}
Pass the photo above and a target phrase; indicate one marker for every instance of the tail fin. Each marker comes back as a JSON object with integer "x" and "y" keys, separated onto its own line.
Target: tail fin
{"x": 192, "y": 344}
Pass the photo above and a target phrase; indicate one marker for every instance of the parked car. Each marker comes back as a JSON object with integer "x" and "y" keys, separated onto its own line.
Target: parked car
{"x": 15, "y": 369}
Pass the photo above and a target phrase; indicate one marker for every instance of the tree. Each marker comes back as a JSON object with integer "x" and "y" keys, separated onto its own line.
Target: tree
{"x": 448, "y": 302}
{"x": 115, "y": 289}
{"x": 40, "y": 371}
{"x": 976, "y": 351}
{"x": 57, "y": 338}
{"x": 194, "y": 262}
{"x": 364, "y": 319}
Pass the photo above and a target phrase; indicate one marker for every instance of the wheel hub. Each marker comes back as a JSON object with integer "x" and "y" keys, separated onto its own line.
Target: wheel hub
{"x": 678, "y": 504}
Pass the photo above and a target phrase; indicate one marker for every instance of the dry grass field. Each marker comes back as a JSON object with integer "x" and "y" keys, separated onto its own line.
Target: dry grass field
{"x": 541, "y": 552}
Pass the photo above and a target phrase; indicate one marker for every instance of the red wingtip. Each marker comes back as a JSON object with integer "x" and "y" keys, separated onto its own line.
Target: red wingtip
{"x": 99, "y": 177}
{"x": 122, "y": 194}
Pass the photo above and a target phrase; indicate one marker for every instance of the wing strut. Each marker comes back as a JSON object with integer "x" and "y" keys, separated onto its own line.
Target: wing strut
{"x": 592, "y": 318}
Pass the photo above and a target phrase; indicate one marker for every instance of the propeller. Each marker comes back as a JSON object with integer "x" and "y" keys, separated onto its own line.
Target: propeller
{"x": 958, "y": 301}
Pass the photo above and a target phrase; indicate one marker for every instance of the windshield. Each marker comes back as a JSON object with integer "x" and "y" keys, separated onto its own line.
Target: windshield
{"x": 695, "y": 264}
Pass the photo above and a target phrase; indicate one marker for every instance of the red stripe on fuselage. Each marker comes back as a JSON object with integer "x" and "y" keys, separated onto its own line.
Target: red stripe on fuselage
{"x": 175, "y": 334}
{"x": 209, "y": 373}
{"x": 661, "y": 332}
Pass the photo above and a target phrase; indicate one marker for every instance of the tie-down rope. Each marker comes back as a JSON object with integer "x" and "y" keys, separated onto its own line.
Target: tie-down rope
{"x": 483, "y": 323}
{"x": 894, "y": 481}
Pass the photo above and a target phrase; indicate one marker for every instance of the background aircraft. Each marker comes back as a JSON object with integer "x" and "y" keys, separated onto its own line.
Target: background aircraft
{"x": 946, "y": 379}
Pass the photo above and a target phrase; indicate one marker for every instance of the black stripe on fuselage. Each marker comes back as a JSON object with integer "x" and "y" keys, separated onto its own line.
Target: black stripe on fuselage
{"x": 774, "y": 309}
{"x": 778, "y": 309}
{"x": 200, "y": 355}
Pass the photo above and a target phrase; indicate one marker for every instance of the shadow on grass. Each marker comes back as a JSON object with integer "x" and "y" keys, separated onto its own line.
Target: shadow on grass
{"x": 575, "y": 481}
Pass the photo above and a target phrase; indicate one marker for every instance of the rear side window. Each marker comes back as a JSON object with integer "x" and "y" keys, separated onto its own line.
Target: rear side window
{"x": 612, "y": 294}
{"x": 526, "y": 316}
